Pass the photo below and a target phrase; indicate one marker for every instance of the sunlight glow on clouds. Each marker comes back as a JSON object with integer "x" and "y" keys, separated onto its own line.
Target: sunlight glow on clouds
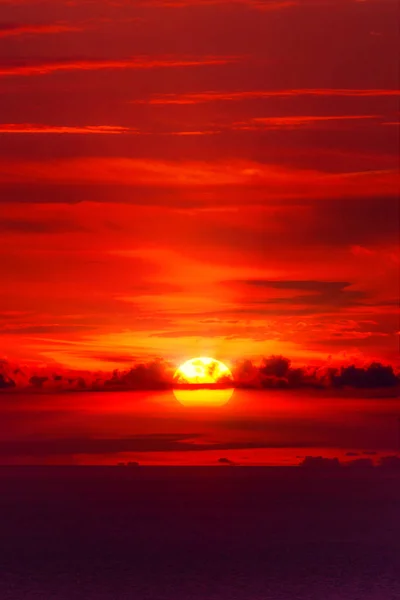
{"x": 189, "y": 178}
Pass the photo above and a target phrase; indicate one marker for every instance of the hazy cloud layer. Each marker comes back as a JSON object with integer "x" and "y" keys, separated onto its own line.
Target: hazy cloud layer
{"x": 189, "y": 177}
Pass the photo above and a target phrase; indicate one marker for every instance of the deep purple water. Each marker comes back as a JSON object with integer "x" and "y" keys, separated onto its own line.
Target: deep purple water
{"x": 198, "y": 534}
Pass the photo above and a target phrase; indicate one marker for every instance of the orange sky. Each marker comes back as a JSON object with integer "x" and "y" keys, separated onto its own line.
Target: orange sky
{"x": 198, "y": 177}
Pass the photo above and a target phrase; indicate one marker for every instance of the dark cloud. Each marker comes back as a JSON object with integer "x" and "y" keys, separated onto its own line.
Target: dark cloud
{"x": 276, "y": 371}
{"x": 322, "y": 463}
{"x": 164, "y": 442}
{"x": 375, "y": 375}
{"x": 317, "y": 293}
{"x": 153, "y": 375}
{"x": 390, "y": 462}
{"x": 38, "y": 382}
{"x": 138, "y": 443}
{"x": 360, "y": 463}
{"x": 114, "y": 358}
{"x": 6, "y": 383}
{"x": 319, "y": 462}
{"x": 271, "y": 372}
{"x": 226, "y": 461}
{"x": 304, "y": 285}
{"x": 43, "y": 329}
{"x": 31, "y": 226}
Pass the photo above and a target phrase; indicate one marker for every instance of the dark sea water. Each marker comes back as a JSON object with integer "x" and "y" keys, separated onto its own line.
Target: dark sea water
{"x": 212, "y": 533}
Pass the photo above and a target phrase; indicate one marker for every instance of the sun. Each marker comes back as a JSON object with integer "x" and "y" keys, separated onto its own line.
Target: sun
{"x": 203, "y": 381}
{"x": 203, "y": 371}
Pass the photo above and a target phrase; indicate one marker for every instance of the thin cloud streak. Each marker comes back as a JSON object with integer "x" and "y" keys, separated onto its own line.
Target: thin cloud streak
{"x": 254, "y": 124}
{"x": 28, "y": 128}
{"x": 282, "y": 182}
{"x": 135, "y": 63}
{"x": 299, "y": 121}
{"x": 13, "y": 30}
{"x": 237, "y": 96}
{"x": 266, "y": 5}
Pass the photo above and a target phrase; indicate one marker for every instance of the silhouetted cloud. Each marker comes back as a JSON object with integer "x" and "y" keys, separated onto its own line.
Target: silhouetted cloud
{"x": 360, "y": 463}
{"x": 152, "y": 375}
{"x": 374, "y": 376}
{"x": 272, "y": 372}
{"x": 390, "y": 462}
{"x": 6, "y": 383}
{"x": 226, "y": 461}
{"x": 70, "y": 446}
{"x": 276, "y": 371}
{"x": 319, "y": 462}
{"x": 38, "y": 382}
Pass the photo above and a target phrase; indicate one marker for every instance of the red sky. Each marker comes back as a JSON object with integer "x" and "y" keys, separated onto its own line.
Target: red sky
{"x": 180, "y": 178}
{"x": 153, "y": 428}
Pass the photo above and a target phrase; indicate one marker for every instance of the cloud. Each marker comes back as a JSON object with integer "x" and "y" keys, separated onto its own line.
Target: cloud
{"x": 258, "y": 4}
{"x": 29, "y": 128}
{"x": 319, "y": 462}
{"x": 390, "y": 462}
{"x": 300, "y": 121}
{"x": 238, "y": 95}
{"x": 327, "y": 464}
{"x": 254, "y": 125}
{"x": 114, "y": 358}
{"x": 360, "y": 463}
{"x": 143, "y": 62}
{"x": 271, "y": 372}
{"x": 277, "y": 372}
{"x": 226, "y": 461}
{"x": 163, "y": 442}
{"x": 18, "y": 29}
{"x": 6, "y": 383}
{"x": 49, "y": 328}
{"x": 144, "y": 443}
{"x": 48, "y": 226}
{"x": 375, "y": 375}
{"x": 261, "y": 5}
{"x": 153, "y": 375}
{"x": 282, "y": 182}
{"x": 35, "y": 128}
{"x": 315, "y": 292}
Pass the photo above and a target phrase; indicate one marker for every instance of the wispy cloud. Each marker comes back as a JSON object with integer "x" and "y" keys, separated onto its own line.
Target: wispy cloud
{"x": 281, "y": 182}
{"x": 237, "y": 96}
{"x": 263, "y": 5}
{"x": 17, "y": 29}
{"x": 139, "y": 62}
{"x": 27, "y": 128}
{"x": 299, "y": 121}
{"x": 253, "y": 124}
{"x": 41, "y": 128}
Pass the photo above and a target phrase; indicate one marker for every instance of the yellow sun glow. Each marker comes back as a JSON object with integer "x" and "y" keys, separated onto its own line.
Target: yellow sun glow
{"x": 192, "y": 375}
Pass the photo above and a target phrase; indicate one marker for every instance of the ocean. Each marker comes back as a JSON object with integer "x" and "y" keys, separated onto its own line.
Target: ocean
{"x": 199, "y": 533}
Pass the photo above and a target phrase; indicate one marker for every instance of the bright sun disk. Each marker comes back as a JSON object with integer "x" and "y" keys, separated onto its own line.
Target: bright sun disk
{"x": 192, "y": 375}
